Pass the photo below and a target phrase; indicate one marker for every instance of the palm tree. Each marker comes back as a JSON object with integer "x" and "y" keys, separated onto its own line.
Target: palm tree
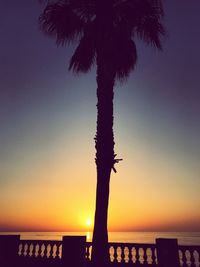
{"x": 105, "y": 31}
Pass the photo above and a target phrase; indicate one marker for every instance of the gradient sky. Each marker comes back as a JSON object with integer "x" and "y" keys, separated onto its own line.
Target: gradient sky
{"x": 48, "y": 120}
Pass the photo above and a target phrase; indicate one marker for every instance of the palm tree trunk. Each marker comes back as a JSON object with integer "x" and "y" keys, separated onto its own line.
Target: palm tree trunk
{"x": 104, "y": 136}
{"x": 104, "y": 157}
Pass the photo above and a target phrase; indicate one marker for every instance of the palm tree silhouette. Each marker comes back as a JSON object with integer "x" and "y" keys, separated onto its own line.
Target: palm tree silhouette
{"x": 106, "y": 30}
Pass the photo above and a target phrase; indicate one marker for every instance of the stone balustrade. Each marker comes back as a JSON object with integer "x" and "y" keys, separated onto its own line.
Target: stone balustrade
{"x": 36, "y": 253}
{"x": 130, "y": 253}
{"x": 189, "y": 256}
{"x": 146, "y": 254}
{"x": 40, "y": 249}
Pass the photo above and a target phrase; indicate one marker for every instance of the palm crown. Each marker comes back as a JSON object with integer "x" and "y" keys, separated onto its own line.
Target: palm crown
{"x": 72, "y": 20}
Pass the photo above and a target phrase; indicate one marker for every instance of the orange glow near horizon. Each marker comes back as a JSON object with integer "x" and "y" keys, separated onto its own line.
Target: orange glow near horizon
{"x": 64, "y": 206}
{"x": 140, "y": 202}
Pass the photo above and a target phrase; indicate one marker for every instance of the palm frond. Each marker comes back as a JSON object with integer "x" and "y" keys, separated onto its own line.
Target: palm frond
{"x": 151, "y": 30}
{"x": 126, "y": 58}
{"x": 60, "y": 21}
{"x": 148, "y": 25}
{"x": 158, "y": 6}
{"x": 84, "y": 8}
{"x": 143, "y": 17}
{"x": 84, "y": 55}
{"x": 123, "y": 50}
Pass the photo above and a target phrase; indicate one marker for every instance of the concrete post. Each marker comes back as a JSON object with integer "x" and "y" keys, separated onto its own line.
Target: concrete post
{"x": 9, "y": 245}
{"x": 167, "y": 252}
{"x": 73, "y": 251}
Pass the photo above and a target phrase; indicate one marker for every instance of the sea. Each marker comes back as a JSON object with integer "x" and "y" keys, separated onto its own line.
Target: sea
{"x": 184, "y": 238}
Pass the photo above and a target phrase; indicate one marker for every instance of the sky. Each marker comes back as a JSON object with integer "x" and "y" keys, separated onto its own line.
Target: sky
{"x": 48, "y": 121}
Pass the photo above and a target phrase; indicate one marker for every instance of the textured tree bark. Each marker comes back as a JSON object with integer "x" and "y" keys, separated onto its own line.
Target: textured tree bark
{"x": 104, "y": 158}
{"x": 104, "y": 136}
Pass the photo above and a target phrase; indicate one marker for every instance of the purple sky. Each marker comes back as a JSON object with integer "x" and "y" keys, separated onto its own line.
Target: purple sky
{"x": 38, "y": 96}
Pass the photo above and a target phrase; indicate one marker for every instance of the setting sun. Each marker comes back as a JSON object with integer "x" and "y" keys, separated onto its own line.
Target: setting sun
{"x": 88, "y": 222}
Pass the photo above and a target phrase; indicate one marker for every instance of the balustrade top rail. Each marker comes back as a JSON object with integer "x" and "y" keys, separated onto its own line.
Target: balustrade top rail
{"x": 126, "y": 244}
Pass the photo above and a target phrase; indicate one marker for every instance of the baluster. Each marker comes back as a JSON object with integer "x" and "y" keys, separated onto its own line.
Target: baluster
{"x": 118, "y": 254}
{"x": 90, "y": 250}
{"x": 188, "y": 256}
{"x": 37, "y": 247}
{"x": 56, "y": 251}
{"x": 111, "y": 251}
{"x": 60, "y": 251}
{"x": 145, "y": 257}
{"x": 141, "y": 253}
{"x": 30, "y": 254}
{"x": 122, "y": 254}
{"x": 192, "y": 259}
{"x": 156, "y": 254}
{"x": 53, "y": 251}
{"x": 50, "y": 251}
{"x": 150, "y": 260}
{"x": 25, "y": 250}
{"x": 20, "y": 249}
{"x": 29, "y": 251}
{"x": 130, "y": 260}
{"x": 153, "y": 256}
{"x": 54, "y": 248}
{"x": 180, "y": 256}
{"x": 34, "y": 250}
{"x": 133, "y": 251}
{"x": 45, "y": 251}
{"x": 184, "y": 258}
{"x": 126, "y": 252}
{"x": 137, "y": 255}
{"x": 40, "y": 250}
{"x": 87, "y": 254}
{"x": 115, "y": 254}
{"x": 197, "y": 257}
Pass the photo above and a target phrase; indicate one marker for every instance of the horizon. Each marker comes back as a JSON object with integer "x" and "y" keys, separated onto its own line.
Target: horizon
{"x": 127, "y": 231}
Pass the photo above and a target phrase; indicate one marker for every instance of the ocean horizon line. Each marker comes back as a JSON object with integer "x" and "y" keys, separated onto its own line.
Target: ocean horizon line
{"x": 184, "y": 238}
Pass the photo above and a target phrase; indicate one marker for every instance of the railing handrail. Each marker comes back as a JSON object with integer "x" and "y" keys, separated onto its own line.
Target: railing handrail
{"x": 40, "y": 241}
{"x": 189, "y": 246}
{"x": 126, "y": 243}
